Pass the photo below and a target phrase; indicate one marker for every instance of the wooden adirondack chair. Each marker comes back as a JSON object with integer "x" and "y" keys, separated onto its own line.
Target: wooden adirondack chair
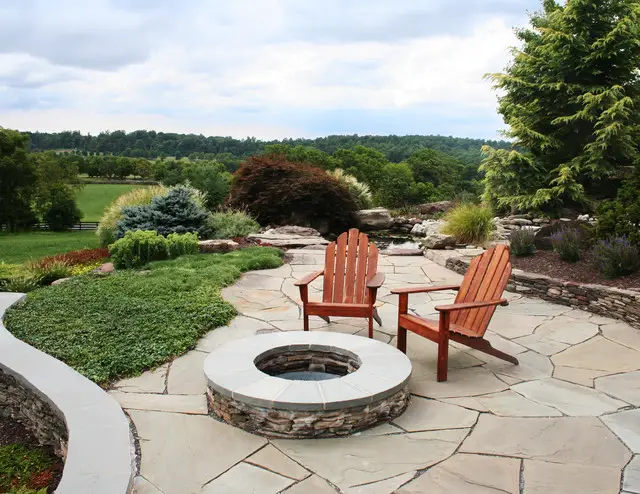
{"x": 466, "y": 320}
{"x": 351, "y": 281}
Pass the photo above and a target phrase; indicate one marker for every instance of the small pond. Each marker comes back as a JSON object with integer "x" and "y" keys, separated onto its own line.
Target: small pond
{"x": 394, "y": 241}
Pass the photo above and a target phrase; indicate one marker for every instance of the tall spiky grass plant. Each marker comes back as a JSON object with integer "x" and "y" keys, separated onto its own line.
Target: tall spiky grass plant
{"x": 360, "y": 192}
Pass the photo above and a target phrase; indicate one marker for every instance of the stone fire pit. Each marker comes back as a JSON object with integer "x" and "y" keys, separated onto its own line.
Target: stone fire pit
{"x": 302, "y": 385}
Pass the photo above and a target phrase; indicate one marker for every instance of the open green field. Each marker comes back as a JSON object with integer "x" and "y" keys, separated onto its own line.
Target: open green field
{"x": 16, "y": 248}
{"x": 93, "y": 198}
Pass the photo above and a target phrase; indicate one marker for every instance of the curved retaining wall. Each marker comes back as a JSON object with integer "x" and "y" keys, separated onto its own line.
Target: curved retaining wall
{"x": 599, "y": 299}
{"x": 67, "y": 411}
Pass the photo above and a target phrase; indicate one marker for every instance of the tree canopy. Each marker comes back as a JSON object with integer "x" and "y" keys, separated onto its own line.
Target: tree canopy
{"x": 571, "y": 98}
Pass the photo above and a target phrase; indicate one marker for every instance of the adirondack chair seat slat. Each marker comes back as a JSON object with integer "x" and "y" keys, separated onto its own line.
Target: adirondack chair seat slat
{"x": 467, "y": 319}
{"x": 350, "y": 284}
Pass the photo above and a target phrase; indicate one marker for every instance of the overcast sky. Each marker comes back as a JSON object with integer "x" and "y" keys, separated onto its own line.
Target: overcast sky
{"x": 263, "y": 68}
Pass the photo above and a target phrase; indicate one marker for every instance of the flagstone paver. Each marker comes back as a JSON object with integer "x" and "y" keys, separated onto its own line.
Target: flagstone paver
{"x": 576, "y": 440}
{"x": 181, "y": 453}
{"x": 511, "y": 404}
{"x": 423, "y": 415}
{"x": 631, "y": 476}
{"x": 471, "y": 434}
{"x": 552, "y": 478}
{"x": 348, "y": 462}
{"x": 469, "y": 474}
{"x": 569, "y": 398}
{"x": 625, "y": 387}
{"x": 247, "y": 479}
{"x": 272, "y": 459}
{"x": 627, "y": 427}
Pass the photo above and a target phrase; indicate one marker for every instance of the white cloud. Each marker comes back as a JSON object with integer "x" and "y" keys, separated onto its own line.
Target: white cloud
{"x": 246, "y": 67}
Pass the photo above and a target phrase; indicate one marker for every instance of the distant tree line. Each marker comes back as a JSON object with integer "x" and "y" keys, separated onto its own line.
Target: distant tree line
{"x": 230, "y": 151}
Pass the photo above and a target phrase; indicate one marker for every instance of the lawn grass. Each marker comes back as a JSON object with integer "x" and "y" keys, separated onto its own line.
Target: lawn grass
{"x": 16, "y": 248}
{"x": 93, "y": 198}
{"x": 117, "y": 326}
{"x": 25, "y": 469}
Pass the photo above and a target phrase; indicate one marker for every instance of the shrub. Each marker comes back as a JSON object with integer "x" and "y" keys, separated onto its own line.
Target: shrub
{"x": 113, "y": 213}
{"x": 616, "y": 256}
{"x": 622, "y": 216}
{"x": 63, "y": 211}
{"x": 176, "y": 212}
{"x": 232, "y": 223}
{"x": 85, "y": 268}
{"x": 138, "y": 248}
{"x": 21, "y": 283}
{"x": 522, "y": 242}
{"x": 8, "y": 271}
{"x": 212, "y": 179}
{"x": 360, "y": 192}
{"x": 50, "y": 272}
{"x": 78, "y": 257}
{"x": 470, "y": 223}
{"x": 182, "y": 244}
{"x": 279, "y": 192}
{"x": 567, "y": 244}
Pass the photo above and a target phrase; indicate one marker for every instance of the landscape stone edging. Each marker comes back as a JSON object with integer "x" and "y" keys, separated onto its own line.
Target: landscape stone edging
{"x": 100, "y": 454}
{"x": 604, "y": 300}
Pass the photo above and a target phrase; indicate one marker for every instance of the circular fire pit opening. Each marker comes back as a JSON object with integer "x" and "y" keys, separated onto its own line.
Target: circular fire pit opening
{"x": 307, "y": 384}
{"x": 307, "y": 365}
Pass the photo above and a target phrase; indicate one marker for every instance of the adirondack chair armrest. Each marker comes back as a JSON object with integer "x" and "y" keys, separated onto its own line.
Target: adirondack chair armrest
{"x": 470, "y": 305}
{"x": 424, "y": 289}
{"x": 376, "y": 281}
{"x": 305, "y": 280}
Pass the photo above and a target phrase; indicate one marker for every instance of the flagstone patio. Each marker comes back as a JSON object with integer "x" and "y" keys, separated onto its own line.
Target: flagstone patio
{"x": 565, "y": 421}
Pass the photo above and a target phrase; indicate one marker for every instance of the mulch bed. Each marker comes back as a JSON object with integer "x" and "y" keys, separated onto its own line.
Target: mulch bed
{"x": 12, "y": 432}
{"x": 548, "y": 263}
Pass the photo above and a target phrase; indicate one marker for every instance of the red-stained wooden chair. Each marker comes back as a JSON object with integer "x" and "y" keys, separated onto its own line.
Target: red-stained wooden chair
{"x": 466, "y": 320}
{"x": 351, "y": 281}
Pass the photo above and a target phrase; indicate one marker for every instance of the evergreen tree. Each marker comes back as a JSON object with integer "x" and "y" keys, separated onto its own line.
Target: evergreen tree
{"x": 571, "y": 100}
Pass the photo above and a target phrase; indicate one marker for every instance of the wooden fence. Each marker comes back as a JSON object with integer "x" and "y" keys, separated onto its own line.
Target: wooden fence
{"x": 83, "y": 225}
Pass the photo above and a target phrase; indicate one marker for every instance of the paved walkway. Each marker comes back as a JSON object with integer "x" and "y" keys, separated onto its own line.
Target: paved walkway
{"x": 567, "y": 420}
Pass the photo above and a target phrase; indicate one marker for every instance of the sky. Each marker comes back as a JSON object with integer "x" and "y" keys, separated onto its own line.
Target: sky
{"x": 263, "y": 68}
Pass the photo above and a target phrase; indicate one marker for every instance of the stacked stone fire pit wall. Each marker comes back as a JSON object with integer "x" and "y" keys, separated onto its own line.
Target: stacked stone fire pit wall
{"x": 599, "y": 299}
{"x": 63, "y": 409}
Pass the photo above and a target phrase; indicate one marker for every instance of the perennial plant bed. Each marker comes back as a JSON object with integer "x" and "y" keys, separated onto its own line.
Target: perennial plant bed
{"x": 584, "y": 271}
{"x": 25, "y": 466}
{"x": 112, "y": 327}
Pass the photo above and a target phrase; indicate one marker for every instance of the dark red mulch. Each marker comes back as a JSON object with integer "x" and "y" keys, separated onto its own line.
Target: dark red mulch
{"x": 548, "y": 263}
{"x": 13, "y": 432}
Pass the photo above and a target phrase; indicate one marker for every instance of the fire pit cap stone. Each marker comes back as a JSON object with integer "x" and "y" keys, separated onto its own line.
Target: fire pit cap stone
{"x": 231, "y": 371}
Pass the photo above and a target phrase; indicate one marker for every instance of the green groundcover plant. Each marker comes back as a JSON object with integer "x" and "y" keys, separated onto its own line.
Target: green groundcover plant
{"x": 117, "y": 326}
{"x": 25, "y": 469}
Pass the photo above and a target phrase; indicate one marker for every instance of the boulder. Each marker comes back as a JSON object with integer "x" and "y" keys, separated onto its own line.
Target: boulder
{"x": 374, "y": 219}
{"x": 217, "y": 245}
{"x": 59, "y": 281}
{"x": 438, "y": 241}
{"x": 541, "y": 221}
{"x": 426, "y": 227}
{"x": 104, "y": 270}
{"x": 287, "y": 241}
{"x": 435, "y": 207}
{"x": 303, "y": 231}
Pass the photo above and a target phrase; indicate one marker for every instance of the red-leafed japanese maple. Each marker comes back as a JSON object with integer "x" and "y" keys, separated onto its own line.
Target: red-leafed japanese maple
{"x": 279, "y": 192}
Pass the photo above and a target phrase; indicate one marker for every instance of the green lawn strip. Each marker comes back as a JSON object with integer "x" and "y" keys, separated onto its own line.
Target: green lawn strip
{"x": 16, "y": 248}
{"x": 92, "y": 199}
{"x": 21, "y": 465}
{"x": 120, "y": 325}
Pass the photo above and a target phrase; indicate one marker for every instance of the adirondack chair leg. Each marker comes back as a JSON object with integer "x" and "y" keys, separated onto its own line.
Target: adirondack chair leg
{"x": 485, "y": 347}
{"x": 370, "y": 319}
{"x": 402, "y": 339}
{"x": 305, "y": 319}
{"x": 377, "y": 317}
{"x": 443, "y": 346}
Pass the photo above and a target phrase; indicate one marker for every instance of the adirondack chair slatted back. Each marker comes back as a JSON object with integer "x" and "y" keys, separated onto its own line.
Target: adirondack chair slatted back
{"x": 350, "y": 262}
{"x": 486, "y": 279}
